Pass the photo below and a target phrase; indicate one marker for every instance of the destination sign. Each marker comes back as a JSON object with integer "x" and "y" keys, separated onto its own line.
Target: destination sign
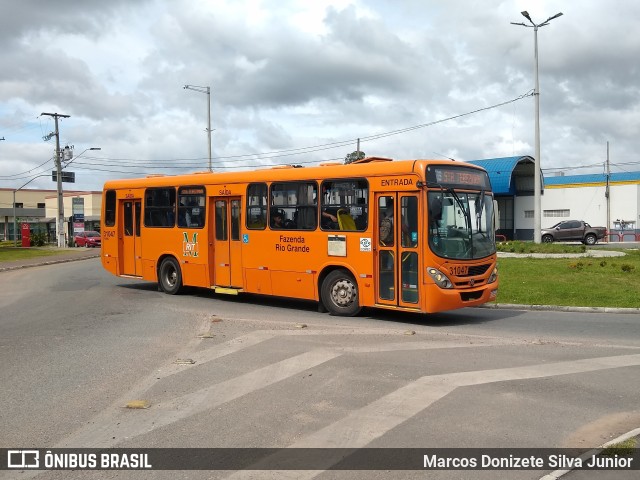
{"x": 458, "y": 177}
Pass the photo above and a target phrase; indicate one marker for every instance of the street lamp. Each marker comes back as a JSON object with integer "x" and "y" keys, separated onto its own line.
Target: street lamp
{"x": 206, "y": 90}
{"x": 537, "y": 202}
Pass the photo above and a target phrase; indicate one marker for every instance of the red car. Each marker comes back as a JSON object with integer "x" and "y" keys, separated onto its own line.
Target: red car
{"x": 87, "y": 239}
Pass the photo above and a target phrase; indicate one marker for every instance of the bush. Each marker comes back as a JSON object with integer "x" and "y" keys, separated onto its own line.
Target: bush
{"x": 627, "y": 268}
{"x": 38, "y": 239}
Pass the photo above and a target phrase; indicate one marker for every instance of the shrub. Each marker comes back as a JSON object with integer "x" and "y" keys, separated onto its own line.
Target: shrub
{"x": 38, "y": 239}
{"x": 627, "y": 268}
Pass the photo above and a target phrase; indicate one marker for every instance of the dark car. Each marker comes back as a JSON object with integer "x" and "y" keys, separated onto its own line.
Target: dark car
{"x": 87, "y": 239}
{"x": 573, "y": 230}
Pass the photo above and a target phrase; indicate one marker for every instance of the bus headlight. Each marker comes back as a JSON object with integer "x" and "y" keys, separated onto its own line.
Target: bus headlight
{"x": 494, "y": 275}
{"x": 440, "y": 278}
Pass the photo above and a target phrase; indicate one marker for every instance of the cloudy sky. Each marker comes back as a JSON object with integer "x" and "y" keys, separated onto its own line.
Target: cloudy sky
{"x": 298, "y": 81}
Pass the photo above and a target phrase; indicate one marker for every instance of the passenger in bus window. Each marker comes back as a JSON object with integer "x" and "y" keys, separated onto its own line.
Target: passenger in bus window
{"x": 171, "y": 216}
{"x": 276, "y": 220}
{"x": 386, "y": 227}
{"x": 329, "y": 221}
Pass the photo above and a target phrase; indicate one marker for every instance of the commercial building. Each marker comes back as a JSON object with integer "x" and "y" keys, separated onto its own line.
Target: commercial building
{"x": 39, "y": 209}
{"x": 577, "y": 197}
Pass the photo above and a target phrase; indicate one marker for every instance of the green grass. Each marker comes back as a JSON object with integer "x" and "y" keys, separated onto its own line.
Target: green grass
{"x": 530, "y": 247}
{"x": 10, "y": 253}
{"x": 586, "y": 282}
{"x": 621, "y": 448}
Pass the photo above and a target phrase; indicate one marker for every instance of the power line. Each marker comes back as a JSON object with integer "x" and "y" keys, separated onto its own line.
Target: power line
{"x": 271, "y": 155}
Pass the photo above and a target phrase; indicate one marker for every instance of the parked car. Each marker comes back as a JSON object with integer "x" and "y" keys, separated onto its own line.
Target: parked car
{"x": 572, "y": 231}
{"x": 87, "y": 239}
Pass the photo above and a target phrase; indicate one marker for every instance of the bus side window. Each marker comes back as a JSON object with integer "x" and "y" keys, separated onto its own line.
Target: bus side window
{"x": 159, "y": 206}
{"x": 297, "y": 202}
{"x": 344, "y": 204}
{"x": 191, "y": 206}
{"x": 256, "y": 206}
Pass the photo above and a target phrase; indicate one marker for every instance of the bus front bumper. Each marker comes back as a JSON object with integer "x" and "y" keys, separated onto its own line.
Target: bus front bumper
{"x": 440, "y": 299}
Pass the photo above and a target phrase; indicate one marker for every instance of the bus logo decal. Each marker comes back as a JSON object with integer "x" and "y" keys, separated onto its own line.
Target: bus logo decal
{"x": 245, "y": 238}
{"x": 365, "y": 244}
{"x": 189, "y": 248}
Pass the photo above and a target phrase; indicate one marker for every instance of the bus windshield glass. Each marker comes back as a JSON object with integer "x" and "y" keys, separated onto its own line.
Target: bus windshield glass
{"x": 461, "y": 224}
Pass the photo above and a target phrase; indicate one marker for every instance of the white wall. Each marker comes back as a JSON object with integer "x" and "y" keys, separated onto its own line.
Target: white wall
{"x": 589, "y": 204}
{"x": 521, "y": 204}
{"x": 584, "y": 203}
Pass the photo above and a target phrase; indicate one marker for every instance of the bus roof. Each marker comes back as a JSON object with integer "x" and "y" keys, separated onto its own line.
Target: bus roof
{"x": 368, "y": 167}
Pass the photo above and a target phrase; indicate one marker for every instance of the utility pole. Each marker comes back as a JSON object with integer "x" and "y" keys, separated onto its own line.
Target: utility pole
{"x": 60, "y": 223}
{"x": 607, "y": 194}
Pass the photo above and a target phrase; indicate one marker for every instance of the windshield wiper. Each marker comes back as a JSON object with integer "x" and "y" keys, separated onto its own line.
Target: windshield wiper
{"x": 467, "y": 214}
{"x": 479, "y": 212}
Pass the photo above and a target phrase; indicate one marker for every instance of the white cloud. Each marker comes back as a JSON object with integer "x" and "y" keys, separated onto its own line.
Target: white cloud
{"x": 292, "y": 74}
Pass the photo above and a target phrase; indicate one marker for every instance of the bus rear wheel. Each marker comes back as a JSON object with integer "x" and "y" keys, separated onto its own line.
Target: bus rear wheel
{"x": 170, "y": 277}
{"x": 339, "y": 294}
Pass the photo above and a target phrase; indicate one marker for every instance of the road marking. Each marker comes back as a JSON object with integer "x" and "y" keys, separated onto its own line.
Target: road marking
{"x": 106, "y": 434}
{"x": 363, "y": 426}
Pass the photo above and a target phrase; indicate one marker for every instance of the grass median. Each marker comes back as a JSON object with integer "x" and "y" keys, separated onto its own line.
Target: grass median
{"x": 9, "y": 253}
{"x": 579, "y": 282}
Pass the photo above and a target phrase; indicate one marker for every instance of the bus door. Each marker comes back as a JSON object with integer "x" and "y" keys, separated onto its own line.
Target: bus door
{"x": 227, "y": 247}
{"x": 397, "y": 253}
{"x": 129, "y": 235}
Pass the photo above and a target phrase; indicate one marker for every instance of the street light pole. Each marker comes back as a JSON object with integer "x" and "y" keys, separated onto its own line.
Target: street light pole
{"x": 537, "y": 186}
{"x": 206, "y": 90}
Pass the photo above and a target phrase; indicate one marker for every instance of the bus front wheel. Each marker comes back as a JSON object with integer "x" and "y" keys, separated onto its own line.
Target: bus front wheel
{"x": 340, "y": 294}
{"x": 170, "y": 277}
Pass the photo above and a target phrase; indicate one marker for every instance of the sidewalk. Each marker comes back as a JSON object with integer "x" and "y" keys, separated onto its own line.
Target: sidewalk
{"x": 65, "y": 255}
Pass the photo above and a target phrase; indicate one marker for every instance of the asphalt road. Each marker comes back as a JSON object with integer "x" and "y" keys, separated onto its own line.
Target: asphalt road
{"x": 77, "y": 344}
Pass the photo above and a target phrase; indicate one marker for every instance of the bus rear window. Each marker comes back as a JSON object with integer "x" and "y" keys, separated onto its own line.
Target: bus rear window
{"x": 110, "y": 208}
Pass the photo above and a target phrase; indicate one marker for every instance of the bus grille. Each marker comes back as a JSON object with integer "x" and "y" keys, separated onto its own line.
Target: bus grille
{"x": 470, "y": 296}
{"x": 477, "y": 270}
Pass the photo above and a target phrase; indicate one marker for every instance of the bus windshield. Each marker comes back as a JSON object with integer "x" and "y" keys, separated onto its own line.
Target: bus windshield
{"x": 461, "y": 224}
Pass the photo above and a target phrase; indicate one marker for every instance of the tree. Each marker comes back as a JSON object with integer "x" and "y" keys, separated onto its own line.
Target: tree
{"x": 353, "y": 156}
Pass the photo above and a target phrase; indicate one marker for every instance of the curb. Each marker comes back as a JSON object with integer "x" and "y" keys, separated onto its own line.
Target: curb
{"x": 562, "y": 472}
{"x": 559, "y": 308}
{"x": 47, "y": 262}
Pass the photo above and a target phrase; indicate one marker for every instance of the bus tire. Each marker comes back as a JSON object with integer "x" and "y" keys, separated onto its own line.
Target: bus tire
{"x": 339, "y": 294}
{"x": 170, "y": 276}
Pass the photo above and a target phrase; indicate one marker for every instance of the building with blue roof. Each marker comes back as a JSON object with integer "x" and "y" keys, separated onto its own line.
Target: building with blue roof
{"x": 576, "y": 197}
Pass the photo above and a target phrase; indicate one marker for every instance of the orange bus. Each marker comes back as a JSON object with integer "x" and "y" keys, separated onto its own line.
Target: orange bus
{"x": 324, "y": 233}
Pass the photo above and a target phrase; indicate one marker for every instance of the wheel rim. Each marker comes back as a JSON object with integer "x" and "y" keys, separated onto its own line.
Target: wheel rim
{"x": 171, "y": 276}
{"x": 343, "y": 293}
